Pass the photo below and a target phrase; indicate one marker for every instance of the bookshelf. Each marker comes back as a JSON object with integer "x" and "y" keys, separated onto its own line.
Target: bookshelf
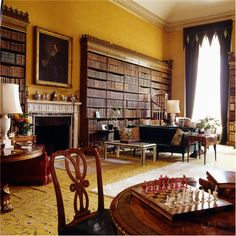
{"x": 113, "y": 77}
{"x": 13, "y": 49}
{"x": 232, "y": 102}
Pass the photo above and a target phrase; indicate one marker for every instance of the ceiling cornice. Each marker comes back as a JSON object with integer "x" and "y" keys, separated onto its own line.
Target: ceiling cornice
{"x": 141, "y": 12}
{"x": 149, "y": 17}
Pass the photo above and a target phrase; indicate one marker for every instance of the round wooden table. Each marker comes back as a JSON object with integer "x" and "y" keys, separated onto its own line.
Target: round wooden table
{"x": 131, "y": 216}
{"x": 11, "y": 156}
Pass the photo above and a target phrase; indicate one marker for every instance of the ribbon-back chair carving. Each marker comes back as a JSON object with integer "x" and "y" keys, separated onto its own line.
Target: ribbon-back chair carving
{"x": 84, "y": 221}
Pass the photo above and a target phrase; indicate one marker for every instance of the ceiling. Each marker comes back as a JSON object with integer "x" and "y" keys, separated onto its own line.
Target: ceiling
{"x": 172, "y": 15}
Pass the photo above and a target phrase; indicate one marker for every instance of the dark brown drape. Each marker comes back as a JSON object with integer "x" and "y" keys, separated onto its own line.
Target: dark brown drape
{"x": 193, "y": 37}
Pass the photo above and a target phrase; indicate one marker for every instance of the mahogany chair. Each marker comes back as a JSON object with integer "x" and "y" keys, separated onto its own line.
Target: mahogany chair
{"x": 84, "y": 222}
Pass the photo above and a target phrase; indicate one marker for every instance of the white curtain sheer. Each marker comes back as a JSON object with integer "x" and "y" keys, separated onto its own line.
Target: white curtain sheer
{"x": 207, "y": 98}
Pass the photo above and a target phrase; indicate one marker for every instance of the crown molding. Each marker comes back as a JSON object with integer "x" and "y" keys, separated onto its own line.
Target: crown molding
{"x": 149, "y": 17}
{"x": 202, "y": 20}
{"x": 141, "y": 12}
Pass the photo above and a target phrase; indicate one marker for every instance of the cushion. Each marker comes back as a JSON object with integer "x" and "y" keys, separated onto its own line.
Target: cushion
{"x": 125, "y": 134}
{"x": 176, "y": 140}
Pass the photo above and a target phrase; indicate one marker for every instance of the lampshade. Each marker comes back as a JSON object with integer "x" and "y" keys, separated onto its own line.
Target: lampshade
{"x": 172, "y": 106}
{"x": 9, "y": 104}
{"x": 9, "y": 99}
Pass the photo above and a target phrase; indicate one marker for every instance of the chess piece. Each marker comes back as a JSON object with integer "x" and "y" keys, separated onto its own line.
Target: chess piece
{"x": 209, "y": 195}
{"x": 196, "y": 196}
{"x": 202, "y": 191}
{"x": 215, "y": 195}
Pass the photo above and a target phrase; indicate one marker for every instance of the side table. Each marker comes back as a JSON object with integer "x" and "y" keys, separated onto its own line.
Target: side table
{"x": 204, "y": 140}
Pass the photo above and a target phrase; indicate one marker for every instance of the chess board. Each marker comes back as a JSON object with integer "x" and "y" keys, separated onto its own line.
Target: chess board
{"x": 158, "y": 201}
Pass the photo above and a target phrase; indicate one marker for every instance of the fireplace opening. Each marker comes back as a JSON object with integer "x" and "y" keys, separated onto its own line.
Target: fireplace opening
{"x": 53, "y": 132}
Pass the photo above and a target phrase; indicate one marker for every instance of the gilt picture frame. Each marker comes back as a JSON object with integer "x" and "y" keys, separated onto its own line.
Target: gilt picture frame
{"x": 53, "y": 58}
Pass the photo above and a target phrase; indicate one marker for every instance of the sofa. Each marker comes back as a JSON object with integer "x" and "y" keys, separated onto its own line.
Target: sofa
{"x": 163, "y": 137}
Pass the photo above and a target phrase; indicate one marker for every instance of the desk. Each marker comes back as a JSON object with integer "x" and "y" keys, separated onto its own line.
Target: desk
{"x": 7, "y": 158}
{"x": 204, "y": 140}
{"x": 136, "y": 145}
{"x": 133, "y": 217}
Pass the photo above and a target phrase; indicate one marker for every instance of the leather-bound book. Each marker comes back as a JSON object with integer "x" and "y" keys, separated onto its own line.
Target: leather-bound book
{"x": 223, "y": 179}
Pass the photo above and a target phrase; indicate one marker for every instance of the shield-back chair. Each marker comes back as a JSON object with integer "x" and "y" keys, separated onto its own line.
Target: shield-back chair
{"x": 84, "y": 221}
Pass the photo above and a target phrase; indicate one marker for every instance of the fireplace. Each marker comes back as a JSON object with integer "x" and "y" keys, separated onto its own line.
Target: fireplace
{"x": 54, "y": 132}
{"x": 55, "y": 123}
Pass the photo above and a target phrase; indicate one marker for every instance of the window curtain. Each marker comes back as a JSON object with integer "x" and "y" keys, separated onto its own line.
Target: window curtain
{"x": 193, "y": 38}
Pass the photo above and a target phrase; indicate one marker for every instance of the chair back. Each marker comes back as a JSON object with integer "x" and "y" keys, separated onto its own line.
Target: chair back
{"x": 75, "y": 165}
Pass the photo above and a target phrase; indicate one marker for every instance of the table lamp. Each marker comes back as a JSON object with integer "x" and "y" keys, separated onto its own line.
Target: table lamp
{"x": 172, "y": 108}
{"x": 9, "y": 104}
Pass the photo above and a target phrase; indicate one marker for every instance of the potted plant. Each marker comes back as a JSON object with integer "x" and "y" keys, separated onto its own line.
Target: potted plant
{"x": 208, "y": 124}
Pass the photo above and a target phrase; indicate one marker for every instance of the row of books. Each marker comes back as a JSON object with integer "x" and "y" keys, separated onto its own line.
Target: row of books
{"x": 115, "y": 85}
{"x": 131, "y": 88}
{"x": 232, "y": 126}
{"x": 14, "y": 35}
{"x": 97, "y": 57}
{"x": 97, "y": 64}
{"x": 114, "y": 94}
{"x": 129, "y": 78}
{"x": 132, "y": 104}
{"x": 115, "y": 78}
{"x": 94, "y": 113}
{"x": 144, "y": 105}
{"x": 20, "y": 82}
{"x": 97, "y": 74}
{"x": 12, "y": 71}
{"x": 144, "y": 82}
{"x": 115, "y": 69}
{"x": 14, "y": 46}
{"x": 144, "y": 75}
{"x": 13, "y": 58}
{"x": 96, "y": 102}
{"x": 96, "y": 93}
{"x": 96, "y": 83}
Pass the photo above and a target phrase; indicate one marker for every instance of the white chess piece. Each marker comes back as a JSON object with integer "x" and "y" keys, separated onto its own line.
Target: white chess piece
{"x": 196, "y": 196}
{"x": 202, "y": 195}
{"x": 209, "y": 195}
{"x": 215, "y": 196}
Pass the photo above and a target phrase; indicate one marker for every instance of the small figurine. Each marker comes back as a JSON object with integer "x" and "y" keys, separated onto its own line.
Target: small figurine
{"x": 37, "y": 96}
{"x": 54, "y": 96}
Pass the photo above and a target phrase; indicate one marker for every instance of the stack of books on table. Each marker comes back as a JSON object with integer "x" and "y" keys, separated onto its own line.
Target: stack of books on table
{"x": 224, "y": 180}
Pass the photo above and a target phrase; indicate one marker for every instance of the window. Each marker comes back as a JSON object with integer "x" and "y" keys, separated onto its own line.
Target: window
{"x": 207, "y": 95}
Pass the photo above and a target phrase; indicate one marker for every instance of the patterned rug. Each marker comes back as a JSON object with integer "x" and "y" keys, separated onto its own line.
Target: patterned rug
{"x": 173, "y": 170}
{"x": 35, "y": 211}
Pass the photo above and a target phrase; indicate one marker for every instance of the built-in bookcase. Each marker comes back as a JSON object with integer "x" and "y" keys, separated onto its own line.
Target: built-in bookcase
{"x": 13, "y": 49}
{"x": 232, "y": 102}
{"x": 113, "y": 77}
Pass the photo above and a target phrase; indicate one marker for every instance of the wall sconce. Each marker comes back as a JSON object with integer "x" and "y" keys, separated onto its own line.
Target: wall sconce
{"x": 172, "y": 108}
{"x": 9, "y": 104}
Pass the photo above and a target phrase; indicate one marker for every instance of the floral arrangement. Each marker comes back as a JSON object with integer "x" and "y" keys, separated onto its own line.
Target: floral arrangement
{"x": 23, "y": 123}
{"x": 208, "y": 123}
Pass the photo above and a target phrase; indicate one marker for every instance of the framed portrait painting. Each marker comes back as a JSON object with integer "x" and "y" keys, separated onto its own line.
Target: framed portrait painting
{"x": 53, "y": 58}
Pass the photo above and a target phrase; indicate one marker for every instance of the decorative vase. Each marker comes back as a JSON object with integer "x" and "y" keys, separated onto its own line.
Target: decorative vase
{"x": 23, "y": 131}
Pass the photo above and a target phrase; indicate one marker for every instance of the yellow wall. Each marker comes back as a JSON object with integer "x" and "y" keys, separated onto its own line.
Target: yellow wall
{"x": 104, "y": 20}
{"x": 174, "y": 50}
{"x": 101, "y": 19}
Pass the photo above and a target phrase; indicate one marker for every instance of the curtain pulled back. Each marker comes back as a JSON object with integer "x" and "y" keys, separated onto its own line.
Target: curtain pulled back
{"x": 193, "y": 38}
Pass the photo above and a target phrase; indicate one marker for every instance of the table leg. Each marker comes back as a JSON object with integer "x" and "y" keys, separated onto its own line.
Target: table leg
{"x": 205, "y": 148}
{"x": 154, "y": 153}
{"x": 188, "y": 153}
{"x": 105, "y": 151}
{"x": 143, "y": 156}
{"x": 215, "y": 150}
{"x": 117, "y": 151}
{"x": 199, "y": 149}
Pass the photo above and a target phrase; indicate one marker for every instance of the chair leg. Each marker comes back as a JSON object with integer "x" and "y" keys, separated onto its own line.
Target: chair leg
{"x": 183, "y": 157}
